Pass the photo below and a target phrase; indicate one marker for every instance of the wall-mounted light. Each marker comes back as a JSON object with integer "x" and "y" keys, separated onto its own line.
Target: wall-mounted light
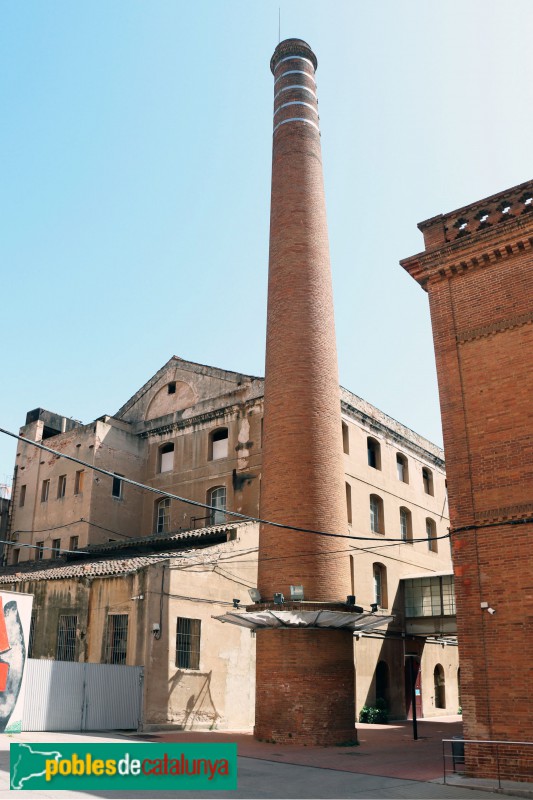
{"x": 297, "y": 592}
{"x": 485, "y": 606}
{"x": 156, "y": 630}
{"x": 373, "y": 608}
{"x": 255, "y": 596}
{"x": 279, "y": 598}
{"x": 236, "y": 602}
{"x": 350, "y": 600}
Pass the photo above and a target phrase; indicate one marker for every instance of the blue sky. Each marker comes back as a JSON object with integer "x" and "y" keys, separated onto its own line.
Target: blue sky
{"x": 135, "y": 180}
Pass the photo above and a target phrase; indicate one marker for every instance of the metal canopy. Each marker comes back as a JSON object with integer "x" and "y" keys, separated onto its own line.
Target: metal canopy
{"x": 270, "y": 618}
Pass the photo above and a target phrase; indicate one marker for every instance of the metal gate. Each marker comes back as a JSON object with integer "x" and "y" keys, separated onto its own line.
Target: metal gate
{"x": 69, "y": 696}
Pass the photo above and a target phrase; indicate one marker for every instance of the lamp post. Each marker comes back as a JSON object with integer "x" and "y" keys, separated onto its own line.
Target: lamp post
{"x": 410, "y": 657}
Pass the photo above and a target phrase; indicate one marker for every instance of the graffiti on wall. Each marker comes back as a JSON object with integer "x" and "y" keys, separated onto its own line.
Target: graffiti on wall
{"x": 15, "y": 620}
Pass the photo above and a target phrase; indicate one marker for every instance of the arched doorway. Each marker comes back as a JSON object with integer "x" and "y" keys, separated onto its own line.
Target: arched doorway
{"x": 440, "y": 689}
{"x": 383, "y": 682}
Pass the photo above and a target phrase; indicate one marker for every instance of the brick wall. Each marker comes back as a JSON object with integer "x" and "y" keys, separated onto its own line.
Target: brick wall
{"x": 480, "y": 292}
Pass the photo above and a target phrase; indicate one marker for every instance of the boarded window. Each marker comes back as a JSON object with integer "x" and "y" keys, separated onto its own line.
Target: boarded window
{"x": 78, "y": 481}
{"x": 45, "y": 491}
{"x": 117, "y": 638}
{"x": 22, "y": 498}
{"x": 218, "y": 444}
{"x": 56, "y": 547}
{"x": 66, "y": 637}
{"x": 166, "y": 457}
{"x": 402, "y": 468}
{"x": 188, "y": 643}
{"x": 349, "y": 503}
{"x": 73, "y": 543}
{"x": 39, "y": 550}
{"x": 345, "y": 438}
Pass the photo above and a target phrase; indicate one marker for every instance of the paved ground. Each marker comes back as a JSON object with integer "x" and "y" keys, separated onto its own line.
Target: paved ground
{"x": 387, "y": 764}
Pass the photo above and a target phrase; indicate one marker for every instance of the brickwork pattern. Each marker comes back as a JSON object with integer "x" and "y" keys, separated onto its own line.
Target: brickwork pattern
{"x": 483, "y": 345}
{"x": 305, "y": 678}
{"x": 299, "y": 670}
{"x": 303, "y": 471}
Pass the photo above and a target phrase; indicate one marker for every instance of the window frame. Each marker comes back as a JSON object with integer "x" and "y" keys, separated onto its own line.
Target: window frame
{"x": 402, "y": 461}
{"x": 162, "y": 520}
{"x": 61, "y": 487}
{"x": 68, "y": 644}
{"x": 215, "y": 436}
{"x": 188, "y": 643}
{"x": 116, "y": 634}
{"x": 117, "y": 482}
{"x": 220, "y": 510}
{"x": 45, "y": 490}
{"x": 377, "y": 514}
{"x": 164, "y": 450}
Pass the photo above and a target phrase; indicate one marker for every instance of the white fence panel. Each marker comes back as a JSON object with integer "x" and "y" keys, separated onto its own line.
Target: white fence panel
{"x": 71, "y": 696}
{"x": 120, "y": 688}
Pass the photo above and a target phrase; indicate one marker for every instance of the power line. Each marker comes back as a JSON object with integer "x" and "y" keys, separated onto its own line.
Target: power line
{"x": 197, "y": 503}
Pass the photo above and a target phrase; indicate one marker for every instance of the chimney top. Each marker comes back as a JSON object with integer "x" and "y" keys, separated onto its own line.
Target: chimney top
{"x": 292, "y": 47}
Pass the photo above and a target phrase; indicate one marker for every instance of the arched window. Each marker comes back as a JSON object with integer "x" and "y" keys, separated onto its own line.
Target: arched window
{"x": 382, "y": 682}
{"x": 431, "y": 533}
{"x": 440, "y": 689}
{"x": 217, "y": 497}
{"x": 402, "y": 468}
{"x": 406, "y": 525}
{"x": 218, "y": 444}
{"x": 163, "y": 515}
{"x": 427, "y": 479}
{"x": 345, "y": 438}
{"x": 166, "y": 457}
{"x": 380, "y": 585}
{"x": 349, "y": 503}
{"x": 376, "y": 514}
{"x": 374, "y": 453}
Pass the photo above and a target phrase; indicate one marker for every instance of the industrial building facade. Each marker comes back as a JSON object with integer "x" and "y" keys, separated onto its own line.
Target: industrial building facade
{"x": 196, "y": 432}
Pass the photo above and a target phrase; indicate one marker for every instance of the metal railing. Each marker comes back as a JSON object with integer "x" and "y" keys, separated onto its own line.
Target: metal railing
{"x": 489, "y": 760}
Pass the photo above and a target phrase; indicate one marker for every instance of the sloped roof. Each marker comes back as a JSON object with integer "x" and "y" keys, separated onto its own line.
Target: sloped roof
{"x": 97, "y": 565}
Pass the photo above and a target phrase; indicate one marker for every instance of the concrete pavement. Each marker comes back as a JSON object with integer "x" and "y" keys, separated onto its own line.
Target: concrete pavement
{"x": 385, "y": 765}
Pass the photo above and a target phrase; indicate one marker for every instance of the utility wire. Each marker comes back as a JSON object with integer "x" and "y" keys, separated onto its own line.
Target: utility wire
{"x": 197, "y": 503}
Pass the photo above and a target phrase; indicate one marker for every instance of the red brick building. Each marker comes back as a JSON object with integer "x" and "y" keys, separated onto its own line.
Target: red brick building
{"x": 477, "y": 268}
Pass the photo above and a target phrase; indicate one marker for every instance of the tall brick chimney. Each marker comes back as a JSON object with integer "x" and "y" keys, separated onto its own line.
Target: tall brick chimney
{"x": 305, "y": 676}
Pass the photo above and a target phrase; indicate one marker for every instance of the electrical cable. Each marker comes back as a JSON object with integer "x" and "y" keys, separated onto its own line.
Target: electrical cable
{"x": 198, "y": 504}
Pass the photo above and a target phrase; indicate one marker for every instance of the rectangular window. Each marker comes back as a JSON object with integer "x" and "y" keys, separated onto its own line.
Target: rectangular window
{"x": 116, "y": 491}
{"x": 45, "y": 491}
{"x": 163, "y": 515}
{"x": 117, "y": 638}
{"x": 349, "y": 503}
{"x": 16, "y": 555}
{"x": 39, "y": 550}
{"x": 22, "y": 498}
{"x": 73, "y": 543}
{"x": 188, "y": 643}
{"x": 61, "y": 486}
{"x": 66, "y": 637}
{"x": 56, "y": 547}
{"x": 78, "y": 481}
